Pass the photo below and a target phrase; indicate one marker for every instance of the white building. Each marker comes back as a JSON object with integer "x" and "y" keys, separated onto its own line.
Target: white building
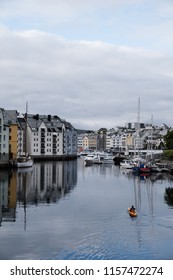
{"x": 50, "y": 136}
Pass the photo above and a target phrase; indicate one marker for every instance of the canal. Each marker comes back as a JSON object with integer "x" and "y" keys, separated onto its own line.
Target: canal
{"x": 67, "y": 211}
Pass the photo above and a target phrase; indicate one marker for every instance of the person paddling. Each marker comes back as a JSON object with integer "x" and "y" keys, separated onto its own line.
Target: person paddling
{"x": 132, "y": 209}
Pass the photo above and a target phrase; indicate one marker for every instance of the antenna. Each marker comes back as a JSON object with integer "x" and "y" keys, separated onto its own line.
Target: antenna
{"x": 138, "y": 118}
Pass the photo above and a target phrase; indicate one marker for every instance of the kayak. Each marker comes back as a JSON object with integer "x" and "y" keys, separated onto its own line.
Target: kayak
{"x": 132, "y": 213}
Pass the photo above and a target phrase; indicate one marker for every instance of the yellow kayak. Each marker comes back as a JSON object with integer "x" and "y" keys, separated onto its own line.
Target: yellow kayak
{"x": 132, "y": 213}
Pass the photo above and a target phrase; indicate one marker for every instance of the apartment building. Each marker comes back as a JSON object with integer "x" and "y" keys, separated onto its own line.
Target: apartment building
{"x": 89, "y": 141}
{"x": 38, "y": 135}
{"x": 4, "y": 137}
{"x": 101, "y": 139}
{"x": 50, "y": 136}
{"x": 10, "y": 117}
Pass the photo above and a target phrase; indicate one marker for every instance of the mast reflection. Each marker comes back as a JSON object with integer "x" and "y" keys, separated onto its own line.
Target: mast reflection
{"x": 46, "y": 182}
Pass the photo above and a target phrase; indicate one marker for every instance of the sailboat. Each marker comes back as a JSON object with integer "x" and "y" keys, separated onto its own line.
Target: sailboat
{"x": 24, "y": 160}
{"x": 140, "y": 165}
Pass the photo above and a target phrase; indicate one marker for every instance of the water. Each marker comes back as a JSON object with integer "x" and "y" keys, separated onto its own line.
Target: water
{"x": 68, "y": 211}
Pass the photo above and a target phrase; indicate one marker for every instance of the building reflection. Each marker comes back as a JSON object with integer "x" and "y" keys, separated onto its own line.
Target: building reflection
{"x": 7, "y": 196}
{"x": 43, "y": 183}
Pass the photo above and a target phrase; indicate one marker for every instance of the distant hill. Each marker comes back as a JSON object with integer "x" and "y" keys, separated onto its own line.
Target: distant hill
{"x": 83, "y": 131}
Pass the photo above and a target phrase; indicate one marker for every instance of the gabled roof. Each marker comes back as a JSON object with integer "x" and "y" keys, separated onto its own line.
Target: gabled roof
{"x": 10, "y": 116}
{"x": 33, "y": 123}
{"x": 52, "y": 123}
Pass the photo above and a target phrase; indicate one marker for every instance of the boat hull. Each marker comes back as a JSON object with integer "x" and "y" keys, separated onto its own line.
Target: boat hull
{"x": 141, "y": 169}
{"x": 24, "y": 164}
{"x": 23, "y": 161}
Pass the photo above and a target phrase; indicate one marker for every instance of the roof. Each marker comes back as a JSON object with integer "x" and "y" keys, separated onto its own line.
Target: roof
{"x": 10, "y": 116}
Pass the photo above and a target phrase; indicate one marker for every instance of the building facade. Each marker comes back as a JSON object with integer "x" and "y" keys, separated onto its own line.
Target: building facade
{"x": 4, "y": 137}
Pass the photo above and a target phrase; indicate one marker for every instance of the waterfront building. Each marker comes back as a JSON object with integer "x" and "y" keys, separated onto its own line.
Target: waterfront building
{"x": 80, "y": 142}
{"x": 50, "y": 136}
{"x": 4, "y": 137}
{"x": 85, "y": 142}
{"x": 118, "y": 141}
{"x": 89, "y": 141}
{"x": 11, "y": 119}
{"x": 101, "y": 139}
{"x": 109, "y": 141}
{"x": 125, "y": 139}
{"x": 38, "y": 135}
{"x": 69, "y": 138}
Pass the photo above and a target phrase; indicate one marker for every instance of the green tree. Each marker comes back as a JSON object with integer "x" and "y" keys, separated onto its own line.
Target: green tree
{"x": 169, "y": 195}
{"x": 169, "y": 140}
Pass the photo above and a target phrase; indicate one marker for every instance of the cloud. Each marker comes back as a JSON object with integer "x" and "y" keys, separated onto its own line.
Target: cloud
{"x": 87, "y": 61}
{"x": 89, "y": 83}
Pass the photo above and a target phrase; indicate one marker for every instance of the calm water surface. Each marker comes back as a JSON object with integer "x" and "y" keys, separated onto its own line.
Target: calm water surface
{"x": 69, "y": 211}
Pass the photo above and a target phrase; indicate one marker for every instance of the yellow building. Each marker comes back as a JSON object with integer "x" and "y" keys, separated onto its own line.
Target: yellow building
{"x": 13, "y": 140}
{"x": 89, "y": 142}
{"x": 130, "y": 140}
{"x": 11, "y": 120}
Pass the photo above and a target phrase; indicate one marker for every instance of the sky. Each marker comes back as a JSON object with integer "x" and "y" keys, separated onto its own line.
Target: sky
{"x": 89, "y": 62}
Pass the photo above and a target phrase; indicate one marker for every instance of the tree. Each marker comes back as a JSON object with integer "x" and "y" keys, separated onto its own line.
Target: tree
{"x": 169, "y": 196}
{"x": 168, "y": 138}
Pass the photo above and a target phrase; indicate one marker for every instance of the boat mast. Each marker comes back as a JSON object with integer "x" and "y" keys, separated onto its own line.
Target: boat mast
{"x": 138, "y": 125}
{"x": 26, "y": 125}
{"x": 151, "y": 147}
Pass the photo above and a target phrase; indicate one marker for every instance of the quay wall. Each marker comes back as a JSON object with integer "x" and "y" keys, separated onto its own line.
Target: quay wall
{"x": 9, "y": 163}
{"x": 54, "y": 158}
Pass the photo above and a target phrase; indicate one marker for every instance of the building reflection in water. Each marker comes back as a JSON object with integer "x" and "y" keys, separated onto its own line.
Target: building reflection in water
{"x": 7, "y": 196}
{"x": 43, "y": 183}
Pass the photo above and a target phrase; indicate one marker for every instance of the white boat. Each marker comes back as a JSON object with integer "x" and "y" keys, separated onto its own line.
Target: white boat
{"x": 23, "y": 161}
{"x": 127, "y": 164}
{"x": 92, "y": 159}
{"x": 109, "y": 159}
{"x": 159, "y": 167}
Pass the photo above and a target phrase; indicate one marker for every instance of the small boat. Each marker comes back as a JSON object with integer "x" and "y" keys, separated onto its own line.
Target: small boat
{"x": 109, "y": 159}
{"x": 92, "y": 159}
{"x": 141, "y": 168}
{"x": 132, "y": 213}
{"x": 127, "y": 164}
{"x": 23, "y": 161}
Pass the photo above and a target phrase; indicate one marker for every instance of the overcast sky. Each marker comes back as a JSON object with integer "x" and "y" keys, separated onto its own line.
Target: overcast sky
{"x": 88, "y": 61}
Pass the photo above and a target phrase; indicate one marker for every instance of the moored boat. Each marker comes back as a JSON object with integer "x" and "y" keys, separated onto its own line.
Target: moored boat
{"x": 23, "y": 161}
{"x": 141, "y": 168}
{"x": 126, "y": 164}
{"x": 109, "y": 159}
{"x": 92, "y": 158}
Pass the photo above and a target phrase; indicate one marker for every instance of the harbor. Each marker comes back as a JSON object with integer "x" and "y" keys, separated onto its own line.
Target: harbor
{"x": 68, "y": 211}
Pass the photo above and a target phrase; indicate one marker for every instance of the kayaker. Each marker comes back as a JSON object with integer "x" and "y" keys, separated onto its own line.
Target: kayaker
{"x": 132, "y": 209}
